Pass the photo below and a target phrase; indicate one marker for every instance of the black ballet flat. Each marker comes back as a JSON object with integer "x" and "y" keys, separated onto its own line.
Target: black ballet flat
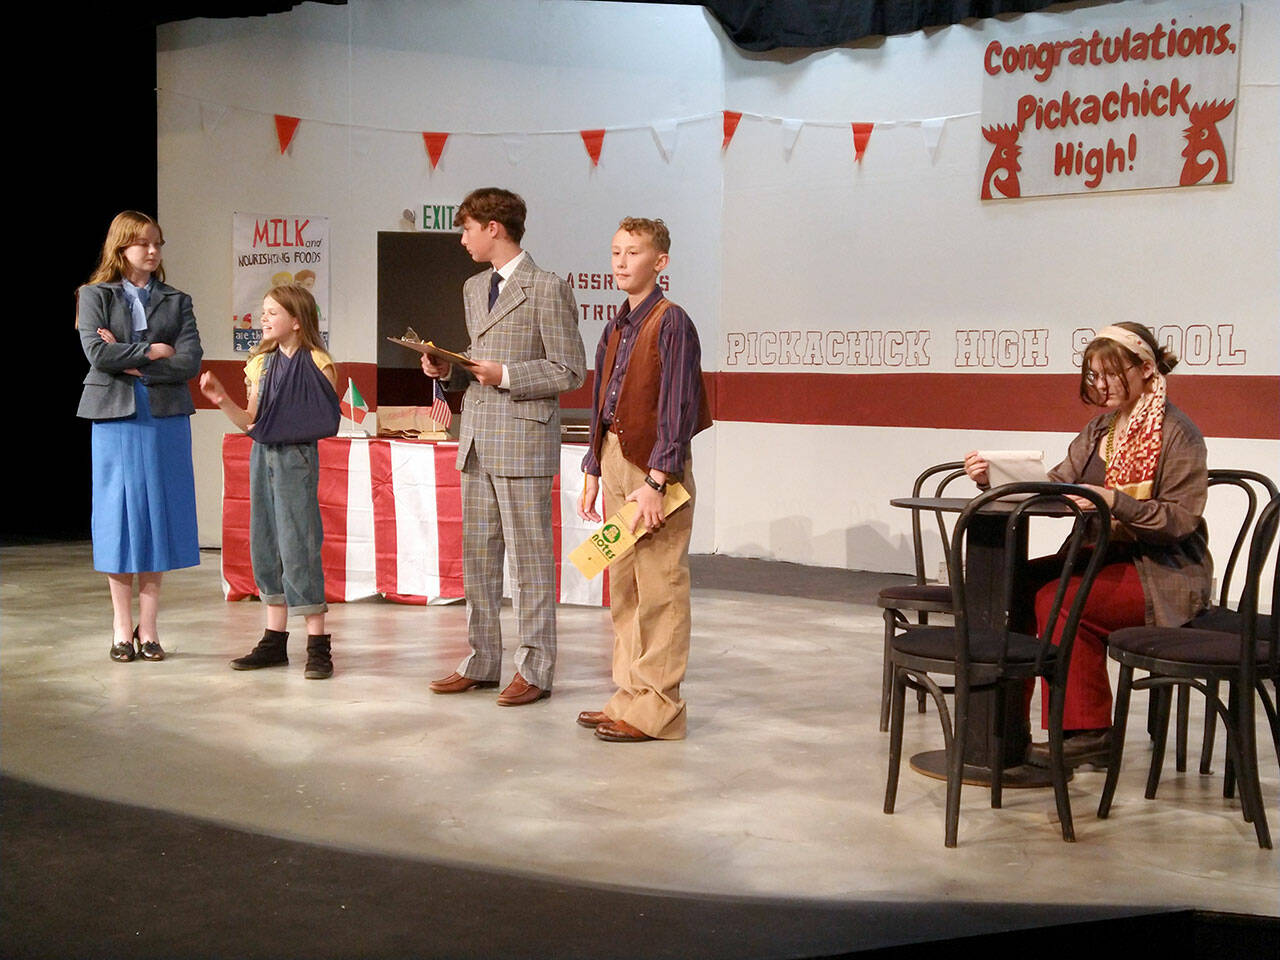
{"x": 148, "y": 650}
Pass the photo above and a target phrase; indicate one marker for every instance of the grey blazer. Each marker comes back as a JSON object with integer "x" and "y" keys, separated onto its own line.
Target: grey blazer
{"x": 533, "y": 329}
{"x": 108, "y": 390}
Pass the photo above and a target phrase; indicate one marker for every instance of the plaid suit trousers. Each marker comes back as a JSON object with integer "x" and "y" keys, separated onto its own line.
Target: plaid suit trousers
{"x": 508, "y": 514}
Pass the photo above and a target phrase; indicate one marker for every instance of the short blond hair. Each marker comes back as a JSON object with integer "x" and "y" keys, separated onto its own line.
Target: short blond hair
{"x": 655, "y": 230}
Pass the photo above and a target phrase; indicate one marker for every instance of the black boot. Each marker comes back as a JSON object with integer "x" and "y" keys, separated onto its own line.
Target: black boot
{"x": 270, "y": 652}
{"x": 319, "y": 663}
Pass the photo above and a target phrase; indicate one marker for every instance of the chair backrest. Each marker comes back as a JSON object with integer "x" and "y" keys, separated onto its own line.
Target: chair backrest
{"x": 1021, "y": 501}
{"x": 942, "y": 474}
{"x": 1247, "y": 481}
{"x": 1261, "y": 549}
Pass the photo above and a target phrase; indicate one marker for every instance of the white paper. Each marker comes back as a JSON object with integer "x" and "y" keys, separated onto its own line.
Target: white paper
{"x": 1014, "y": 466}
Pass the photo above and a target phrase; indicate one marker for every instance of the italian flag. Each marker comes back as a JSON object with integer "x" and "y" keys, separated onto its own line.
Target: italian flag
{"x": 353, "y": 406}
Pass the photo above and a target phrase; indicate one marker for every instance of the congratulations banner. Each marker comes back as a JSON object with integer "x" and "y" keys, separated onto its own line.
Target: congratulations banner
{"x": 1142, "y": 102}
{"x": 271, "y": 250}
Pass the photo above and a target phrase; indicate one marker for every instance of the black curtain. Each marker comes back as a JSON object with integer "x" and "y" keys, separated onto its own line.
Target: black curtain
{"x": 769, "y": 24}
{"x": 88, "y": 146}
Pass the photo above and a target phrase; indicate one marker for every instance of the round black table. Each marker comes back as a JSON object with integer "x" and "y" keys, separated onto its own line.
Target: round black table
{"x": 983, "y": 576}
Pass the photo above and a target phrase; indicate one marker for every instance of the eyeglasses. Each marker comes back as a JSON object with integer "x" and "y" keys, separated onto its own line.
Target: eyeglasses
{"x": 1093, "y": 377}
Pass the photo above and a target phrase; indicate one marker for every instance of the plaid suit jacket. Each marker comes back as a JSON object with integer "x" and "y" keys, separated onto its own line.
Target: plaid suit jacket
{"x": 533, "y": 329}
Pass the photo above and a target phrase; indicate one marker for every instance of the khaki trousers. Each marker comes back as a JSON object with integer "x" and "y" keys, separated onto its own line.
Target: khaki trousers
{"x": 649, "y": 602}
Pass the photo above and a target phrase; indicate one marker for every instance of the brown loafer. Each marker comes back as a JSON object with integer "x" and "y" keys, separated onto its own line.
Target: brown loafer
{"x": 519, "y": 692}
{"x": 592, "y": 718}
{"x": 457, "y": 683}
{"x": 619, "y": 731}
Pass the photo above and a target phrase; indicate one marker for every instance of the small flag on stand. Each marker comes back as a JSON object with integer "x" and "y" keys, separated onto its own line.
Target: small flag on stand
{"x": 440, "y": 411}
{"x": 353, "y": 406}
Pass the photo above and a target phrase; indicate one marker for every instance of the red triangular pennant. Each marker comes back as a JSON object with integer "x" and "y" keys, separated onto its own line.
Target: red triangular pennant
{"x": 286, "y": 127}
{"x": 731, "y": 118}
{"x": 435, "y": 146}
{"x": 593, "y": 140}
{"x": 861, "y": 134}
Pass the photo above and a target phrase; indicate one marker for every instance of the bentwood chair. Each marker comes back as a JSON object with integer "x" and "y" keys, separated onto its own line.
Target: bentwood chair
{"x": 981, "y": 658}
{"x": 921, "y": 597}
{"x": 1255, "y": 488}
{"x": 1201, "y": 659}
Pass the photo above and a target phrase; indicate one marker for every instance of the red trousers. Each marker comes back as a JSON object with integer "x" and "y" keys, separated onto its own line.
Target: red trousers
{"x": 1115, "y": 601}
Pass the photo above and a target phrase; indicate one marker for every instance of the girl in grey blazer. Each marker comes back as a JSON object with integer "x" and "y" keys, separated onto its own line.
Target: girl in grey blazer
{"x": 139, "y": 335}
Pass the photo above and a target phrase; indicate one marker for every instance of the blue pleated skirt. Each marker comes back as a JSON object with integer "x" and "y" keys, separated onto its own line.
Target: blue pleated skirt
{"x": 144, "y": 492}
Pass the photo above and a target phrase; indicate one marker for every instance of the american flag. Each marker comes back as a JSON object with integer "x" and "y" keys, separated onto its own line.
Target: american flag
{"x": 440, "y": 411}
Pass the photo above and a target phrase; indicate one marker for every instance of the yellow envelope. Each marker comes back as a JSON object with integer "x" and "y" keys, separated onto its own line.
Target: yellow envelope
{"x": 615, "y": 539}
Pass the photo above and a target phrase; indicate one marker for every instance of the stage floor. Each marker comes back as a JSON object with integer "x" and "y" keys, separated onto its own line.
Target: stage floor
{"x": 776, "y": 793}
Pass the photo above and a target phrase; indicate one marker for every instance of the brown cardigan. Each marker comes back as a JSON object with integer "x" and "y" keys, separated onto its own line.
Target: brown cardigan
{"x": 1172, "y": 546}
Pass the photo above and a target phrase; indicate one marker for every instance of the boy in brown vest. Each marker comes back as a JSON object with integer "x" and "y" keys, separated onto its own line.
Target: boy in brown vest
{"x": 648, "y": 402}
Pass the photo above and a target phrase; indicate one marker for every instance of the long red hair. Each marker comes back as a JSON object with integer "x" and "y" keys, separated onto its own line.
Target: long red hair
{"x": 123, "y": 232}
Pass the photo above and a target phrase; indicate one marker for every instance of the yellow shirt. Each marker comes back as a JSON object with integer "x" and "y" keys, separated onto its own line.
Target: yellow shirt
{"x": 256, "y": 364}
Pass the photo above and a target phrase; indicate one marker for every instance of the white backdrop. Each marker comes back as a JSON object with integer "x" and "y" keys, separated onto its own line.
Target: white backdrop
{"x": 763, "y": 239}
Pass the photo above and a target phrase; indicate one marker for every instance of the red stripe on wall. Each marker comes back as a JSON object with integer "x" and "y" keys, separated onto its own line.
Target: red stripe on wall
{"x": 1220, "y": 405}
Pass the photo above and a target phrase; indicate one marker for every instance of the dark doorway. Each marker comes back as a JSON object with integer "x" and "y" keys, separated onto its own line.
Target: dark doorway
{"x": 420, "y": 277}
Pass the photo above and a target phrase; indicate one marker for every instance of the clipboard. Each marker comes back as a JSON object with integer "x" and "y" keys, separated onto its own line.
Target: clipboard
{"x": 411, "y": 340}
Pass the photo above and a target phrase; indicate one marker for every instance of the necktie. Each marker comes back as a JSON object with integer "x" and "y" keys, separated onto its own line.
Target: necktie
{"x": 493, "y": 288}
{"x": 138, "y": 307}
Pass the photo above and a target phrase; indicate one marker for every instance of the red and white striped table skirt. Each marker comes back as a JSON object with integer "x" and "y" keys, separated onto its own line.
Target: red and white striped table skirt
{"x": 392, "y": 515}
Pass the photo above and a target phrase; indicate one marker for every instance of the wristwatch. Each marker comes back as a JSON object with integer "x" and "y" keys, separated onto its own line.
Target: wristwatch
{"x": 660, "y": 487}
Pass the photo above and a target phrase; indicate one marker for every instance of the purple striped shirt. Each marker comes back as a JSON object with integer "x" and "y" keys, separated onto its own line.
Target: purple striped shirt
{"x": 679, "y": 390}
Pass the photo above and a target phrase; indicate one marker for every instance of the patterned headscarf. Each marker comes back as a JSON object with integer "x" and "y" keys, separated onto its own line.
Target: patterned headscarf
{"x": 1132, "y": 469}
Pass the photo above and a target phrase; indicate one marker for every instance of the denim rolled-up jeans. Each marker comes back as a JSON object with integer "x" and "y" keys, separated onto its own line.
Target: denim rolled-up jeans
{"x": 284, "y": 525}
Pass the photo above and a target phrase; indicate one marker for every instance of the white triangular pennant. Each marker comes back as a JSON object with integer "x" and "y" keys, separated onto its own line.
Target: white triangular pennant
{"x": 664, "y": 135}
{"x": 211, "y": 115}
{"x": 932, "y": 131}
{"x": 517, "y": 146}
{"x": 790, "y": 132}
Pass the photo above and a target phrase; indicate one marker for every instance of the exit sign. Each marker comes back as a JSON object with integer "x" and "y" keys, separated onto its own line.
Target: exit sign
{"x": 439, "y": 217}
